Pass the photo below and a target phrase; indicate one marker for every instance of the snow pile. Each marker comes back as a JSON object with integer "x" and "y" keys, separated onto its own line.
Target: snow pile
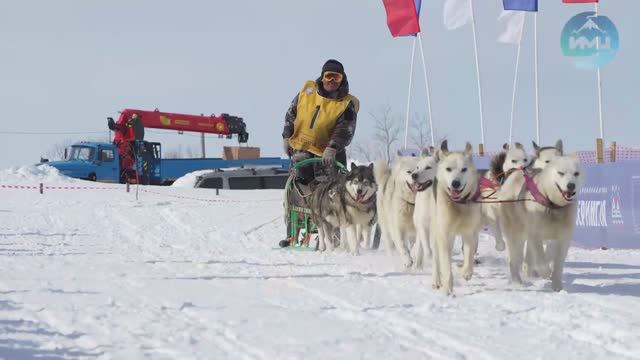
{"x": 189, "y": 180}
{"x": 33, "y": 174}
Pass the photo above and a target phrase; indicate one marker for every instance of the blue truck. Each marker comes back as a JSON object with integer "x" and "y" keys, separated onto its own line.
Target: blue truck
{"x": 131, "y": 159}
{"x": 99, "y": 162}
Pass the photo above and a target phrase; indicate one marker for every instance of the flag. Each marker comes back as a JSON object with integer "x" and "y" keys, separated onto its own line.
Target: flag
{"x": 515, "y": 25}
{"x": 522, "y": 5}
{"x": 456, "y": 13}
{"x": 402, "y": 16}
{"x": 579, "y": 1}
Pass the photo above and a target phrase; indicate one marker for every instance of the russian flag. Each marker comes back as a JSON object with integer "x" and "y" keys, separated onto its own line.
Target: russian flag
{"x": 579, "y": 1}
{"x": 402, "y": 16}
{"x": 521, "y": 5}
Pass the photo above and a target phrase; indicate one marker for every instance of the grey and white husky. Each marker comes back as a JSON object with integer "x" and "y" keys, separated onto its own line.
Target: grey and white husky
{"x": 347, "y": 203}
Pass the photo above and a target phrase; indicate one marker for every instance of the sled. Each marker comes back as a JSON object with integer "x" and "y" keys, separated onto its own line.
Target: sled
{"x": 303, "y": 233}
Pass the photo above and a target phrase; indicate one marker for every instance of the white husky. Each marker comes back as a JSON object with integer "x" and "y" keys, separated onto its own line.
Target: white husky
{"x": 513, "y": 157}
{"x": 424, "y": 175}
{"x": 543, "y": 156}
{"x": 456, "y": 213}
{"x": 395, "y": 200}
{"x": 547, "y": 212}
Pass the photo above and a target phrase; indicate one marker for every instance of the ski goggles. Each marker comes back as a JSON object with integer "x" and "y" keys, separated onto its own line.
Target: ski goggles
{"x": 332, "y": 76}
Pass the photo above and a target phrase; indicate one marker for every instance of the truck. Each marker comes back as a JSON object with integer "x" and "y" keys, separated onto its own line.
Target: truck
{"x": 131, "y": 159}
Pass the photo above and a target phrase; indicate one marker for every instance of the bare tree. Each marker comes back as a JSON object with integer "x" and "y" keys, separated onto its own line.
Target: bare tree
{"x": 174, "y": 153}
{"x": 386, "y": 130}
{"x": 57, "y": 151}
{"x": 420, "y": 133}
{"x": 361, "y": 152}
{"x": 190, "y": 153}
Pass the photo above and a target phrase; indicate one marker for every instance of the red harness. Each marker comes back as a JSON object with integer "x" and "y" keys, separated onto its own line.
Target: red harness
{"x": 532, "y": 188}
{"x": 529, "y": 184}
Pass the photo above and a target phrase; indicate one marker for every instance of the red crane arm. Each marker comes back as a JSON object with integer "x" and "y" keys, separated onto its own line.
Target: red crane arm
{"x": 223, "y": 124}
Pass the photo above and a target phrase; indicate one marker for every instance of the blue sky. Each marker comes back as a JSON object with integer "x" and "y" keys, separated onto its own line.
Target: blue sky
{"x": 67, "y": 65}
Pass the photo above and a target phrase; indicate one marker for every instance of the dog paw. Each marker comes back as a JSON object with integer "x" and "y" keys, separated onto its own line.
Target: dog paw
{"x": 516, "y": 280}
{"x": 467, "y": 274}
{"x": 556, "y": 285}
{"x": 544, "y": 272}
{"x": 407, "y": 263}
{"x": 448, "y": 290}
{"x": 436, "y": 284}
{"x": 500, "y": 246}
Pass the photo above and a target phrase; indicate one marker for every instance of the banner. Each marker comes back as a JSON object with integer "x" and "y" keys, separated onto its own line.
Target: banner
{"x": 456, "y": 13}
{"x": 609, "y": 206}
{"x": 402, "y": 17}
{"x": 522, "y": 5}
{"x": 514, "y": 21}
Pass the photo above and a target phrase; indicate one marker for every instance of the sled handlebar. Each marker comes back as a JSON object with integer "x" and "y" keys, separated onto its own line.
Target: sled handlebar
{"x": 299, "y": 164}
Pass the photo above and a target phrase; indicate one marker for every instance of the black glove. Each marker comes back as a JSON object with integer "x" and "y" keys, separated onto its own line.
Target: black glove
{"x": 329, "y": 156}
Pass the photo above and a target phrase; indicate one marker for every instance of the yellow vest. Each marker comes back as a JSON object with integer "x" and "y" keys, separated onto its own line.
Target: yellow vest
{"x": 316, "y": 118}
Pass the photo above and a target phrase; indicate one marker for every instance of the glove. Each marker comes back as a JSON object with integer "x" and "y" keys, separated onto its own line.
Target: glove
{"x": 285, "y": 146}
{"x": 329, "y": 157}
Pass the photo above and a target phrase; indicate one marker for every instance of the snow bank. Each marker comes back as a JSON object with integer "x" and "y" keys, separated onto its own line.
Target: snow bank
{"x": 189, "y": 180}
{"x": 33, "y": 174}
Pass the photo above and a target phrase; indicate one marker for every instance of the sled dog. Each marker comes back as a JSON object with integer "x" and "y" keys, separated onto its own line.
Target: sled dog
{"x": 547, "y": 212}
{"x": 348, "y": 204}
{"x": 456, "y": 213}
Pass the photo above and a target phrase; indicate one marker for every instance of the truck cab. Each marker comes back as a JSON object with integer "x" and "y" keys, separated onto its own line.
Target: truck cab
{"x": 91, "y": 161}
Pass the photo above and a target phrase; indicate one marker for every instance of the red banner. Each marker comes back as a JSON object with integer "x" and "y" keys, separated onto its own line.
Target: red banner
{"x": 402, "y": 17}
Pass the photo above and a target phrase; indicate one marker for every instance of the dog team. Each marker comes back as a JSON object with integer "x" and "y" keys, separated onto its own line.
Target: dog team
{"x": 422, "y": 204}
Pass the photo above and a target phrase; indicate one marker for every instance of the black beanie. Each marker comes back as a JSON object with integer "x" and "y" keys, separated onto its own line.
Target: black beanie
{"x": 333, "y": 65}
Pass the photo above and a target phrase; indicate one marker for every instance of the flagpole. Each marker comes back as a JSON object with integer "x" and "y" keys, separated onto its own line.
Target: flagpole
{"x": 406, "y": 126}
{"x": 515, "y": 82}
{"x": 535, "y": 50}
{"x": 426, "y": 82}
{"x": 475, "y": 48}
{"x": 599, "y": 86}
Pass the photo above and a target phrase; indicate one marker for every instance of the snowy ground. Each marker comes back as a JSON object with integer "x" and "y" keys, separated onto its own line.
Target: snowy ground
{"x": 93, "y": 273}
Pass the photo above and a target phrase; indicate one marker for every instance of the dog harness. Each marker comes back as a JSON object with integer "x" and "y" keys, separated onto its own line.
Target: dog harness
{"x": 532, "y": 187}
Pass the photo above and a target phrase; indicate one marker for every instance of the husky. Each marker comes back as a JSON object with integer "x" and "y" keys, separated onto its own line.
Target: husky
{"x": 457, "y": 213}
{"x": 543, "y": 156}
{"x": 348, "y": 204}
{"x": 424, "y": 175}
{"x": 547, "y": 212}
{"x": 396, "y": 198}
{"x": 501, "y": 165}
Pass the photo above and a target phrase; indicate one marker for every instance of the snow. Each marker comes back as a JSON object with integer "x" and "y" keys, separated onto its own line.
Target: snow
{"x": 34, "y": 174}
{"x": 185, "y": 274}
{"x": 189, "y": 180}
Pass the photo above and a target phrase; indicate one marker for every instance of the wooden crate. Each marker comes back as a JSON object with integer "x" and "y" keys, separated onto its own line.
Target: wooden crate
{"x": 240, "y": 152}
